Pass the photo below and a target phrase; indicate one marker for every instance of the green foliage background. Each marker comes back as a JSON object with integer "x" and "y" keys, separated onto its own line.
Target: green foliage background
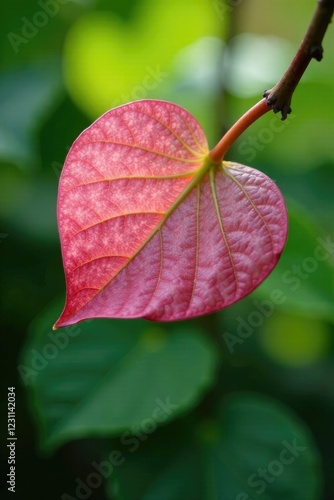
{"x": 192, "y": 410}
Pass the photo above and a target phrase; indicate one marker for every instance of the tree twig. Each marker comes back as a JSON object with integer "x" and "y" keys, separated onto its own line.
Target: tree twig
{"x": 279, "y": 97}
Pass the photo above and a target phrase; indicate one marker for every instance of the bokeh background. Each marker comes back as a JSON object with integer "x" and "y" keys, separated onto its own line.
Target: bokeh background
{"x": 234, "y": 406}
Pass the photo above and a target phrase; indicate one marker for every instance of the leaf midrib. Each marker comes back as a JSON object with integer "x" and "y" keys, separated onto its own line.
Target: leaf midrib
{"x": 207, "y": 165}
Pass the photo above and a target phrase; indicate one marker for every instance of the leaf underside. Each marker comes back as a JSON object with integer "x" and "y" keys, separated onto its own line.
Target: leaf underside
{"x": 151, "y": 228}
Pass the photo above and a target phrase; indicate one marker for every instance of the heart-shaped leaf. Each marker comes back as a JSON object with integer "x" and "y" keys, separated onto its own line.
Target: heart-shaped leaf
{"x": 151, "y": 227}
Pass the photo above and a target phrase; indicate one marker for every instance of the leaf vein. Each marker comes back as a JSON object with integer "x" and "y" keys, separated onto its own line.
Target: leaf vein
{"x": 257, "y": 211}
{"x": 184, "y": 144}
{"x": 157, "y": 153}
{"x": 198, "y": 202}
{"x": 113, "y": 218}
{"x": 221, "y": 225}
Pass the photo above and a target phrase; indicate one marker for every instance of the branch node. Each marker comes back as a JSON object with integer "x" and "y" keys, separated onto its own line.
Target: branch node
{"x": 280, "y": 96}
{"x": 279, "y": 101}
{"x": 316, "y": 52}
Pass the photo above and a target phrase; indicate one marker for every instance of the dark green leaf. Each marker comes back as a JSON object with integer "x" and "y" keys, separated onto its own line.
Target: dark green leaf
{"x": 103, "y": 377}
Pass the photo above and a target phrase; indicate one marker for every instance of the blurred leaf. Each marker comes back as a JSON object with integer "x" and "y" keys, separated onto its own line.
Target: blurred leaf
{"x": 27, "y": 95}
{"x": 295, "y": 341}
{"x": 108, "y": 62}
{"x": 256, "y": 450}
{"x": 305, "y": 272}
{"x": 165, "y": 465}
{"x": 263, "y": 452}
{"x": 100, "y": 378}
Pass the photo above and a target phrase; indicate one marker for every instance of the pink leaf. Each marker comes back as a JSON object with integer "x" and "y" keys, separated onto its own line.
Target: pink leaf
{"x": 151, "y": 227}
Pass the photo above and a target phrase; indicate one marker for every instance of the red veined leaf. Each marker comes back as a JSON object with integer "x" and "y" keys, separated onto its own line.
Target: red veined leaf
{"x": 151, "y": 227}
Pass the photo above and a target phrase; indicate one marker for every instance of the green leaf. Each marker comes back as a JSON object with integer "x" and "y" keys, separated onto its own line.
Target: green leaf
{"x": 26, "y": 95}
{"x": 256, "y": 450}
{"x": 165, "y": 465}
{"x": 103, "y": 377}
{"x": 260, "y": 451}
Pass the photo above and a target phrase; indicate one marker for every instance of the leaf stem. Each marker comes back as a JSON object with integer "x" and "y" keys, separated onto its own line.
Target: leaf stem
{"x": 218, "y": 152}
